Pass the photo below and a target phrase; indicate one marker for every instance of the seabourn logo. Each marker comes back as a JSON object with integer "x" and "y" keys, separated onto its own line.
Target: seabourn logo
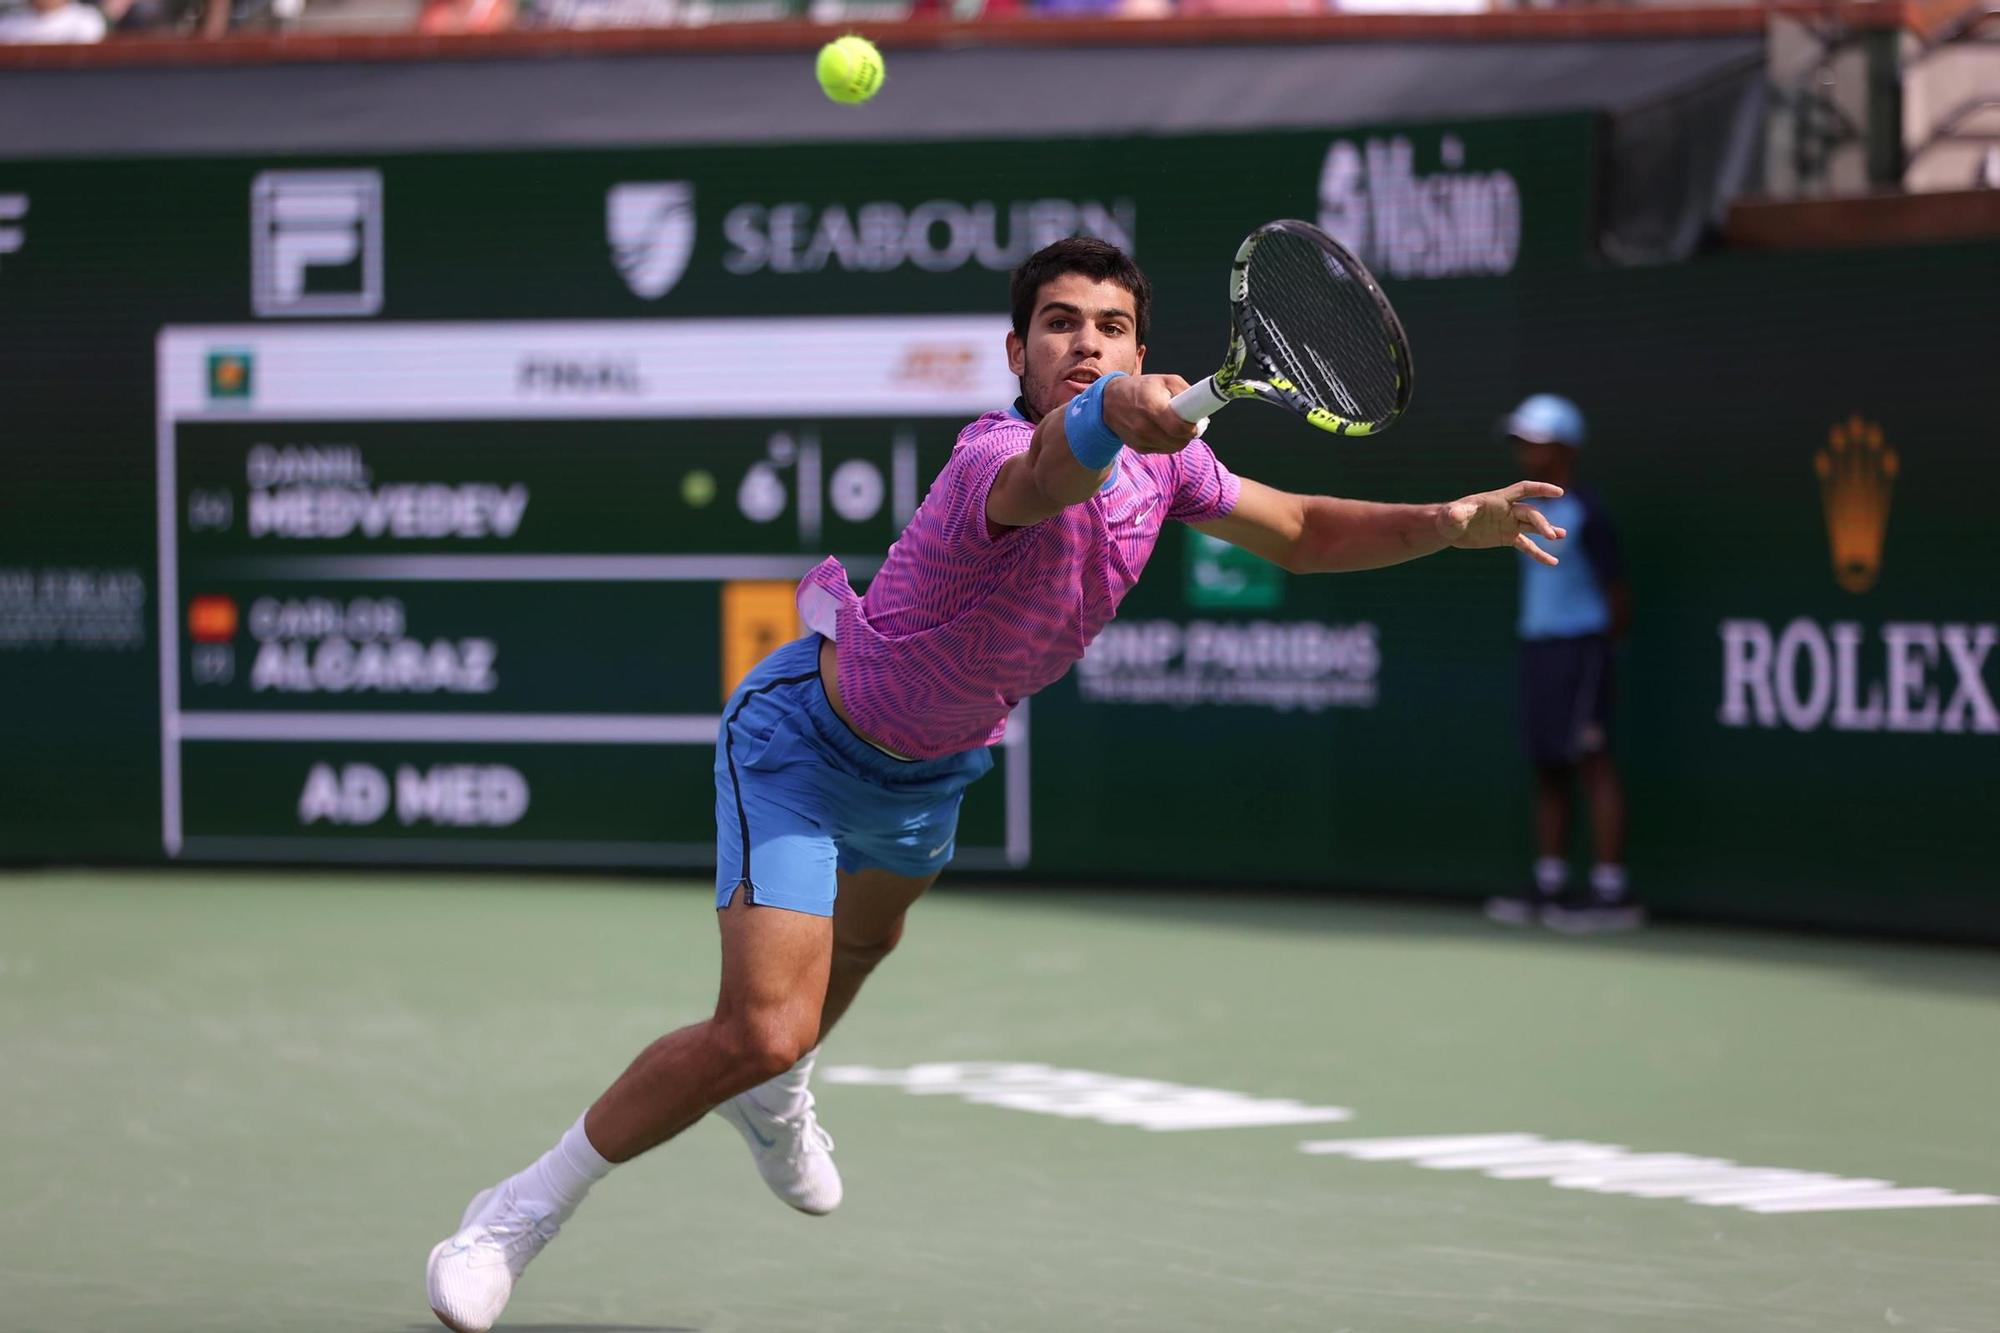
{"x": 650, "y": 225}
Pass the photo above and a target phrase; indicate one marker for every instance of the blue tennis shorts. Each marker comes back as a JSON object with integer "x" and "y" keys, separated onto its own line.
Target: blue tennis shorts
{"x": 798, "y": 793}
{"x": 1566, "y": 698}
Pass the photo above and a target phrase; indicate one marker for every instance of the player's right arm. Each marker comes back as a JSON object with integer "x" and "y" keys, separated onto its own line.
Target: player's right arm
{"x": 1046, "y": 478}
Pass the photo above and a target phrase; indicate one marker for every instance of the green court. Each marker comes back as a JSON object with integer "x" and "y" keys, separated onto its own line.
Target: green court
{"x": 247, "y": 1101}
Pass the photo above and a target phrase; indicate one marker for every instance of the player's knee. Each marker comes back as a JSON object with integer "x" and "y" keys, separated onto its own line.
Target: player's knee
{"x": 762, "y": 1045}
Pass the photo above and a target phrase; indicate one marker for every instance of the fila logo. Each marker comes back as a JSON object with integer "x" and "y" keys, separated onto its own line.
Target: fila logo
{"x": 316, "y": 243}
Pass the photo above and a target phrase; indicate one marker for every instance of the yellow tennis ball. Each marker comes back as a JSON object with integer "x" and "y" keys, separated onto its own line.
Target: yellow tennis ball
{"x": 849, "y": 69}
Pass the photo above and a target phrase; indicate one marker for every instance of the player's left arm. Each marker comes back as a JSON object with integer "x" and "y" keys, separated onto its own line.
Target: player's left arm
{"x": 1324, "y": 534}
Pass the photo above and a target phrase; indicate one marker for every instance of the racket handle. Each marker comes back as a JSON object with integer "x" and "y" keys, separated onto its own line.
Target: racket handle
{"x": 1199, "y": 400}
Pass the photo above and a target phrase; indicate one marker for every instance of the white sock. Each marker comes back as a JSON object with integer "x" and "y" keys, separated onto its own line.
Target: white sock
{"x": 563, "y": 1175}
{"x": 1551, "y": 875}
{"x": 785, "y": 1095}
{"x": 1607, "y": 881}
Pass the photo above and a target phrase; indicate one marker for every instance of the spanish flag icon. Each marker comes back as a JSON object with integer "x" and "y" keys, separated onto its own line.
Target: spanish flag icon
{"x": 229, "y": 373}
{"x": 212, "y": 619}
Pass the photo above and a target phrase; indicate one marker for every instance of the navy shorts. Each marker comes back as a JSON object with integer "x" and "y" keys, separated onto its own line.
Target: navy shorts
{"x": 798, "y": 795}
{"x": 1566, "y": 698}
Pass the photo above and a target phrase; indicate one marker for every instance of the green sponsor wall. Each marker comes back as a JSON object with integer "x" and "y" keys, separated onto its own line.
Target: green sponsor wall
{"x": 1345, "y": 732}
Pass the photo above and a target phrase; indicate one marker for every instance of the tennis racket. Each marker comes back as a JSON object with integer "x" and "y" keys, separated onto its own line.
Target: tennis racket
{"x": 1310, "y": 331}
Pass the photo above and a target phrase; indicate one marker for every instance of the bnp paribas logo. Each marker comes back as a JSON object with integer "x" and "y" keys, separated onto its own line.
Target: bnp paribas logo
{"x": 650, "y": 225}
{"x": 1857, "y": 479}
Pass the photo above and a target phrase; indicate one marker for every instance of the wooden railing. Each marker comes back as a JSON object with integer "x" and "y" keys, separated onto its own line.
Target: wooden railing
{"x": 1580, "y": 22}
{"x": 1865, "y": 220}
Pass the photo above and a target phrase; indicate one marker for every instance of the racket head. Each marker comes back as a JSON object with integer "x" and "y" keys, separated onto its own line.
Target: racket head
{"x": 1312, "y": 332}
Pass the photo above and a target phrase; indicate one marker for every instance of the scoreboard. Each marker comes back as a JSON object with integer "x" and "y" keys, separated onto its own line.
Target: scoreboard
{"x": 477, "y": 592}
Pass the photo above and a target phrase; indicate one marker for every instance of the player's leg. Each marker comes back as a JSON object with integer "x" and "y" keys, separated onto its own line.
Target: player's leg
{"x": 776, "y": 861}
{"x": 1612, "y": 903}
{"x": 1565, "y": 732}
{"x": 867, "y": 924}
{"x": 778, "y": 1118}
{"x": 773, "y": 772}
{"x": 896, "y": 827}
{"x": 1547, "y": 703}
{"x": 774, "y": 968}
{"x": 774, "y": 898}
{"x": 895, "y": 838}
{"x": 1555, "y": 807}
{"x": 1555, "y": 788}
{"x": 1605, "y": 790}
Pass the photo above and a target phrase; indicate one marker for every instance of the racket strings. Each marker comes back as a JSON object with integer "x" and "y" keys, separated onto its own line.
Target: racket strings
{"x": 1316, "y": 324}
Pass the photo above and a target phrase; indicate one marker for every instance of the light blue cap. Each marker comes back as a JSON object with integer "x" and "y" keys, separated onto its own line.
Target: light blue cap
{"x": 1548, "y": 418}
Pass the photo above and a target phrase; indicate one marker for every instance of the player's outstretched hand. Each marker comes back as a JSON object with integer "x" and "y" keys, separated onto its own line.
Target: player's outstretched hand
{"x": 1139, "y": 409}
{"x": 1499, "y": 518}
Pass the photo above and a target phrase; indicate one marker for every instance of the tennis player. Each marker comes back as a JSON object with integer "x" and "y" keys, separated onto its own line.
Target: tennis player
{"x": 842, "y": 758}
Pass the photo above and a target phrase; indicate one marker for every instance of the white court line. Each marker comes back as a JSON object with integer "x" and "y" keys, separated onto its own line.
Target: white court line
{"x": 1612, "y": 1168}
{"x": 170, "y": 612}
{"x": 531, "y": 728}
{"x": 533, "y": 568}
{"x": 450, "y": 851}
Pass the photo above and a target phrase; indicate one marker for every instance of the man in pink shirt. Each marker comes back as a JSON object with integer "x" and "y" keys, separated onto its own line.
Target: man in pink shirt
{"x": 843, "y": 757}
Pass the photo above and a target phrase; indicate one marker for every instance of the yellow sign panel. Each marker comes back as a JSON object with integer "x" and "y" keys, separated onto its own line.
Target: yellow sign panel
{"x": 759, "y": 616}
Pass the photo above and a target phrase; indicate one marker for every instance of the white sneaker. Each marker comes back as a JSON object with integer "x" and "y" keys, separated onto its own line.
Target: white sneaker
{"x": 472, "y": 1272}
{"x": 1596, "y": 920}
{"x": 794, "y": 1154}
{"x": 1513, "y": 911}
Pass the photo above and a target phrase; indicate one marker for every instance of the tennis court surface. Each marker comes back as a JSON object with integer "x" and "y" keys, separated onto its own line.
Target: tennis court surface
{"x": 253, "y": 1101}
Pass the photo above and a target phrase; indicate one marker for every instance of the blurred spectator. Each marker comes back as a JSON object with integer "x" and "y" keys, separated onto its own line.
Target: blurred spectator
{"x": 1252, "y": 8}
{"x": 606, "y": 13}
{"x": 49, "y": 22}
{"x": 1108, "y": 9}
{"x": 199, "y": 18}
{"x": 582, "y": 14}
{"x": 442, "y": 16}
{"x": 961, "y": 10}
{"x": 1571, "y": 615}
{"x": 1442, "y": 6}
{"x": 225, "y": 16}
{"x": 137, "y": 16}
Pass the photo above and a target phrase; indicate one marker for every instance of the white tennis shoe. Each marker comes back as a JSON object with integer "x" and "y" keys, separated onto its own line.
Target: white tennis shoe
{"x": 794, "y": 1153}
{"x": 473, "y": 1271}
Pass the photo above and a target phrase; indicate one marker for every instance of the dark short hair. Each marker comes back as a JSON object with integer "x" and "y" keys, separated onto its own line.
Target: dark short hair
{"x": 1097, "y": 260}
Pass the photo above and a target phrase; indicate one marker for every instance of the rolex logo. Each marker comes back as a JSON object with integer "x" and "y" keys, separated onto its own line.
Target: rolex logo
{"x": 1857, "y": 477}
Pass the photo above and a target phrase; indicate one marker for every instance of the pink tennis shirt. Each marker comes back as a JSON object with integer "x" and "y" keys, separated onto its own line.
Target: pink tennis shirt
{"x": 960, "y": 625}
